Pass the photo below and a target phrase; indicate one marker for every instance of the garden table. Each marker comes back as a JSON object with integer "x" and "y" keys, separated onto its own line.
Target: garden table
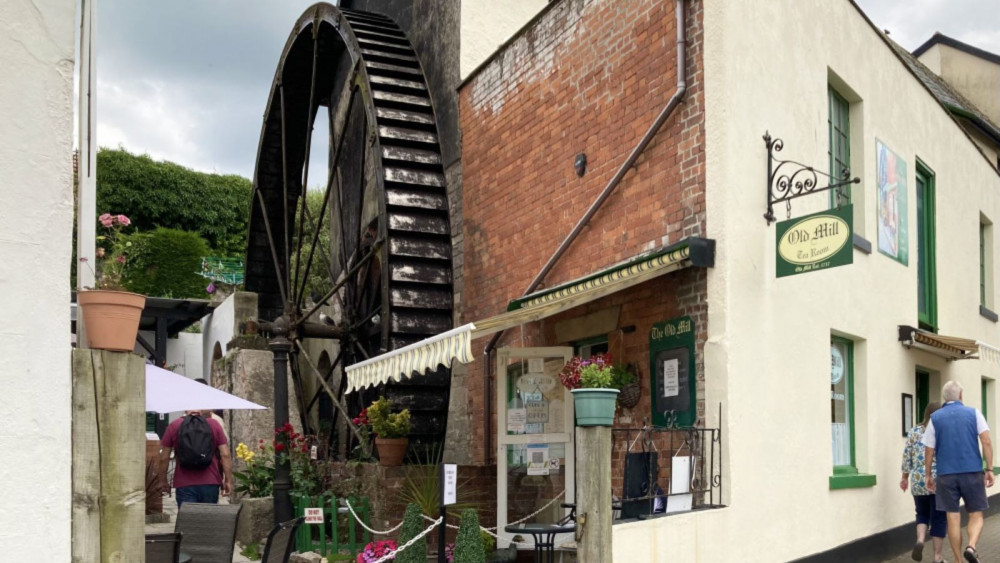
{"x": 544, "y": 535}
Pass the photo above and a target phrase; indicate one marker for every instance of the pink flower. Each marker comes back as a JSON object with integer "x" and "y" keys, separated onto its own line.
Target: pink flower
{"x": 100, "y": 252}
{"x": 123, "y": 220}
{"x": 120, "y": 259}
{"x": 106, "y": 219}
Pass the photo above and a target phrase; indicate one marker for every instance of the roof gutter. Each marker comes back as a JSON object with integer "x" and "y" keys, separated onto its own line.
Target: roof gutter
{"x": 672, "y": 104}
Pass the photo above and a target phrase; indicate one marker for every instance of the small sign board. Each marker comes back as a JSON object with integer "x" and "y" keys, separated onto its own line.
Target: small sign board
{"x": 537, "y": 412}
{"x": 314, "y": 515}
{"x": 815, "y": 242}
{"x": 449, "y": 483}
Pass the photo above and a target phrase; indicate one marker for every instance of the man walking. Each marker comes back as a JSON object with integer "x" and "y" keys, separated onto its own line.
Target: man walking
{"x": 951, "y": 436}
{"x": 203, "y": 464}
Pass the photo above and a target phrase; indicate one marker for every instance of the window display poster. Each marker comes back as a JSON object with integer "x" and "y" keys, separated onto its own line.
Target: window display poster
{"x": 538, "y": 459}
{"x": 890, "y": 172}
{"x": 671, "y": 371}
{"x": 516, "y": 419}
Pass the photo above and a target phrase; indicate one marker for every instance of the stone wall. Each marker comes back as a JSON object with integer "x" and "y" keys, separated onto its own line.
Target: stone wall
{"x": 250, "y": 374}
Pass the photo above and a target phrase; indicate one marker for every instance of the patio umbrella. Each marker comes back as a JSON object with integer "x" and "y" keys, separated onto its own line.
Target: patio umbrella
{"x": 167, "y": 391}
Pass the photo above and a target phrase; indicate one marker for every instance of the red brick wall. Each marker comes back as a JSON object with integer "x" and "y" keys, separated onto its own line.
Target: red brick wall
{"x": 588, "y": 76}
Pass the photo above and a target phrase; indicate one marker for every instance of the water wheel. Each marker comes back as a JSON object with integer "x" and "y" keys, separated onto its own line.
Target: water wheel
{"x": 372, "y": 267}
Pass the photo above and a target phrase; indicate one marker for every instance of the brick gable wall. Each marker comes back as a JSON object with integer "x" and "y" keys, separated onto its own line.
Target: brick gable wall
{"x": 588, "y": 76}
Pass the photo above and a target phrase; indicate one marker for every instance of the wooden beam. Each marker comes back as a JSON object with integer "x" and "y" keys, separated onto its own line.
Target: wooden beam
{"x": 86, "y": 472}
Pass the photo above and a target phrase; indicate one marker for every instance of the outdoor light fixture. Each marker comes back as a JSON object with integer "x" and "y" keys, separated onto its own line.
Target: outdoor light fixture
{"x": 580, "y": 164}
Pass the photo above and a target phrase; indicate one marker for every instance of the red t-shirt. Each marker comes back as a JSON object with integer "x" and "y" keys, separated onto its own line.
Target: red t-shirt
{"x": 183, "y": 477}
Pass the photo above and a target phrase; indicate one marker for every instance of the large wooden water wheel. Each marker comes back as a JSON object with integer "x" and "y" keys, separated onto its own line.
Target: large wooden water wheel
{"x": 385, "y": 274}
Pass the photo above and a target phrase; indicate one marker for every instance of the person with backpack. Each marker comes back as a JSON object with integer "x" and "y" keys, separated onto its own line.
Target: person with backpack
{"x": 203, "y": 466}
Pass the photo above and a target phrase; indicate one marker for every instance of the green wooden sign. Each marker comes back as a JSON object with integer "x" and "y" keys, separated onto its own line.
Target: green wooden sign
{"x": 815, "y": 242}
{"x": 672, "y": 373}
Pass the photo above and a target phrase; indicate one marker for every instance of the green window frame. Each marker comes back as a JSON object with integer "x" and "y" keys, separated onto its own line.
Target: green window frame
{"x": 923, "y": 385}
{"x": 986, "y": 403}
{"x": 839, "y": 130}
{"x": 926, "y": 250}
{"x": 845, "y": 466}
{"x": 982, "y": 264}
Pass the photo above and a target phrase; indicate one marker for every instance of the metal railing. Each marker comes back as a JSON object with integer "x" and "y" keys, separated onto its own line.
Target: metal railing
{"x": 659, "y": 470}
{"x": 339, "y": 530}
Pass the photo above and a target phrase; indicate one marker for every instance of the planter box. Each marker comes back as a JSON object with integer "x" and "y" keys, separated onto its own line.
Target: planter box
{"x": 256, "y": 520}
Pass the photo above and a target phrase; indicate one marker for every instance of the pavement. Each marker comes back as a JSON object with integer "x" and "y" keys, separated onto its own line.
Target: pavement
{"x": 170, "y": 509}
{"x": 988, "y": 548}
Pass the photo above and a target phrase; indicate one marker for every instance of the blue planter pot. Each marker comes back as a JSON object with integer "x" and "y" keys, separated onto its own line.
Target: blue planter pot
{"x": 595, "y": 407}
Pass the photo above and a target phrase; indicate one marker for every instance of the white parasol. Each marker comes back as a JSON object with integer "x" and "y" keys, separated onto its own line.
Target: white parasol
{"x": 167, "y": 391}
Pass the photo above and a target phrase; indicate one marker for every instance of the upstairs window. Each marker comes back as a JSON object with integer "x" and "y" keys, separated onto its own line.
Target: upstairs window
{"x": 839, "y": 123}
{"x": 926, "y": 251}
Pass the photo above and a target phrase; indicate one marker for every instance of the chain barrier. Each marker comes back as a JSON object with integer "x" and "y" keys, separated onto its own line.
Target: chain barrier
{"x": 391, "y": 555}
{"x": 363, "y": 525}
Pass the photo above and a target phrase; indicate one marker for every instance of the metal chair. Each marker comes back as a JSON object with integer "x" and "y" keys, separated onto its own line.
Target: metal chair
{"x": 281, "y": 542}
{"x": 163, "y": 548}
{"x": 209, "y": 531}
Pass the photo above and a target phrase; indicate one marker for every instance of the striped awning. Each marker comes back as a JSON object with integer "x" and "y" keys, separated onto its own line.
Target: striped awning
{"x": 456, "y": 344}
{"x": 948, "y": 347}
{"x": 418, "y": 357}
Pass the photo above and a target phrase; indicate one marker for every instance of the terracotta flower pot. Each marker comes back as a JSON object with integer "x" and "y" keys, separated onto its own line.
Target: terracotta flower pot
{"x": 391, "y": 450}
{"x": 111, "y": 318}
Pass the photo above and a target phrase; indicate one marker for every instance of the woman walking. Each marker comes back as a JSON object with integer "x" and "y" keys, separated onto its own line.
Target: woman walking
{"x": 928, "y": 516}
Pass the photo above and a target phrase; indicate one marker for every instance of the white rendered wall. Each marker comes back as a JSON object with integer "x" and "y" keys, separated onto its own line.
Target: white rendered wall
{"x": 217, "y": 327}
{"x": 36, "y": 214}
{"x": 486, "y": 24}
{"x": 767, "y": 359}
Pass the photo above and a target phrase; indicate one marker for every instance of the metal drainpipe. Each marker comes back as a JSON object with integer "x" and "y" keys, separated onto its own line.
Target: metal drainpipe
{"x": 672, "y": 104}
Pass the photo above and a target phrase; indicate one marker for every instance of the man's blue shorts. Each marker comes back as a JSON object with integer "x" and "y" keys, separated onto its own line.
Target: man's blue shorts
{"x": 967, "y": 486}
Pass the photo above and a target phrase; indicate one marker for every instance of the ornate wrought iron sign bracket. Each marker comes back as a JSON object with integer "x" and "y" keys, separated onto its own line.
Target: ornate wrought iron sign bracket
{"x": 787, "y": 179}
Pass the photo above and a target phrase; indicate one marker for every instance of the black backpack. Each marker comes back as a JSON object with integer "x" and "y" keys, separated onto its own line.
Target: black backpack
{"x": 195, "y": 443}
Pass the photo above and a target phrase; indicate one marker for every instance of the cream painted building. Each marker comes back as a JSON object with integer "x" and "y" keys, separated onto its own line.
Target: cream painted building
{"x": 768, "y": 357}
{"x": 487, "y": 24}
{"x": 36, "y": 214}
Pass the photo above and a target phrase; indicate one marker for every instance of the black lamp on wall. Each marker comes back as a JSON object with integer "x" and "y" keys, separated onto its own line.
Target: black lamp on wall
{"x": 580, "y": 164}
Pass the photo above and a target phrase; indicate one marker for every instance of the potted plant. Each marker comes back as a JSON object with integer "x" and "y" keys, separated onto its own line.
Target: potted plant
{"x": 624, "y": 379}
{"x": 593, "y": 396}
{"x": 391, "y": 431}
{"x": 110, "y": 313}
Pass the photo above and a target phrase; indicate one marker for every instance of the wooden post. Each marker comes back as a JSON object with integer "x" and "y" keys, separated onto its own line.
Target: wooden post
{"x": 593, "y": 494}
{"x": 109, "y": 403}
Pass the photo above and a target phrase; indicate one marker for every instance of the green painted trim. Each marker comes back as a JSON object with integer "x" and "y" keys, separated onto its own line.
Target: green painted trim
{"x": 845, "y": 470}
{"x": 849, "y": 345}
{"x": 839, "y": 117}
{"x": 982, "y": 264}
{"x": 929, "y": 271}
{"x": 858, "y": 481}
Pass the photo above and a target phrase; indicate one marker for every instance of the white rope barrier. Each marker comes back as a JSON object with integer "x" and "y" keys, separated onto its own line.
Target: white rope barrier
{"x": 415, "y": 539}
{"x": 533, "y": 514}
{"x": 363, "y": 525}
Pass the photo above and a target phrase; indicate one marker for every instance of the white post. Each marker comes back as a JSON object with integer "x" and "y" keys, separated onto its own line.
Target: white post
{"x": 86, "y": 216}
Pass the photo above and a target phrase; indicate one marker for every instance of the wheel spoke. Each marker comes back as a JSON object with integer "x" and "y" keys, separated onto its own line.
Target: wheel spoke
{"x": 333, "y": 396}
{"x": 284, "y": 188}
{"x": 299, "y": 391}
{"x": 326, "y": 377}
{"x": 297, "y": 296}
{"x": 339, "y": 284}
{"x": 274, "y": 250}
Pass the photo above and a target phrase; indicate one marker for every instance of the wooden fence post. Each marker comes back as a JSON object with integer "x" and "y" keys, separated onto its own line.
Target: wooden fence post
{"x": 109, "y": 403}
{"x": 593, "y": 490}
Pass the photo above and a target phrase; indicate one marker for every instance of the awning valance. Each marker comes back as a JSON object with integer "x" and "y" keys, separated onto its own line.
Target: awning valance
{"x": 948, "y": 347}
{"x": 455, "y": 344}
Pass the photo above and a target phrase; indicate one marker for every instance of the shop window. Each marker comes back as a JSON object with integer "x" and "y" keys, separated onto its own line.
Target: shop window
{"x": 591, "y": 347}
{"x": 842, "y": 417}
{"x": 839, "y": 125}
{"x": 926, "y": 251}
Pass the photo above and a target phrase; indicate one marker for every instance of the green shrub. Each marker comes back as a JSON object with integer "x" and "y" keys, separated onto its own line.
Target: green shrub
{"x": 413, "y": 524}
{"x": 387, "y": 424}
{"x": 160, "y": 193}
{"x": 166, "y": 263}
{"x": 469, "y": 542}
{"x": 621, "y": 376}
{"x": 595, "y": 376}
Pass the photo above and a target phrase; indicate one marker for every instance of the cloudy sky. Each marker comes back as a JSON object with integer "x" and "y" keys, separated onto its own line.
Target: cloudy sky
{"x": 187, "y": 80}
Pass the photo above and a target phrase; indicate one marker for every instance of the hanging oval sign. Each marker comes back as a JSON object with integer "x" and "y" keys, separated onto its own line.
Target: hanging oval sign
{"x": 814, "y": 239}
{"x": 534, "y": 382}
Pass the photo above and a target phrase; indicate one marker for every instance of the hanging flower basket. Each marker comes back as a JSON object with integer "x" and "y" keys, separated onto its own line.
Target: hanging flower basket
{"x": 111, "y": 318}
{"x": 629, "y": 396}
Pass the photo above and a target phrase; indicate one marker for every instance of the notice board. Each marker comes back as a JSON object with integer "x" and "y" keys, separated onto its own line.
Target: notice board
{"x": 672, "y": 373}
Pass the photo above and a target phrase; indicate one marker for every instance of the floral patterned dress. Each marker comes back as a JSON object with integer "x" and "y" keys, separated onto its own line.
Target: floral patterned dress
{"x": 913, "y": 461}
